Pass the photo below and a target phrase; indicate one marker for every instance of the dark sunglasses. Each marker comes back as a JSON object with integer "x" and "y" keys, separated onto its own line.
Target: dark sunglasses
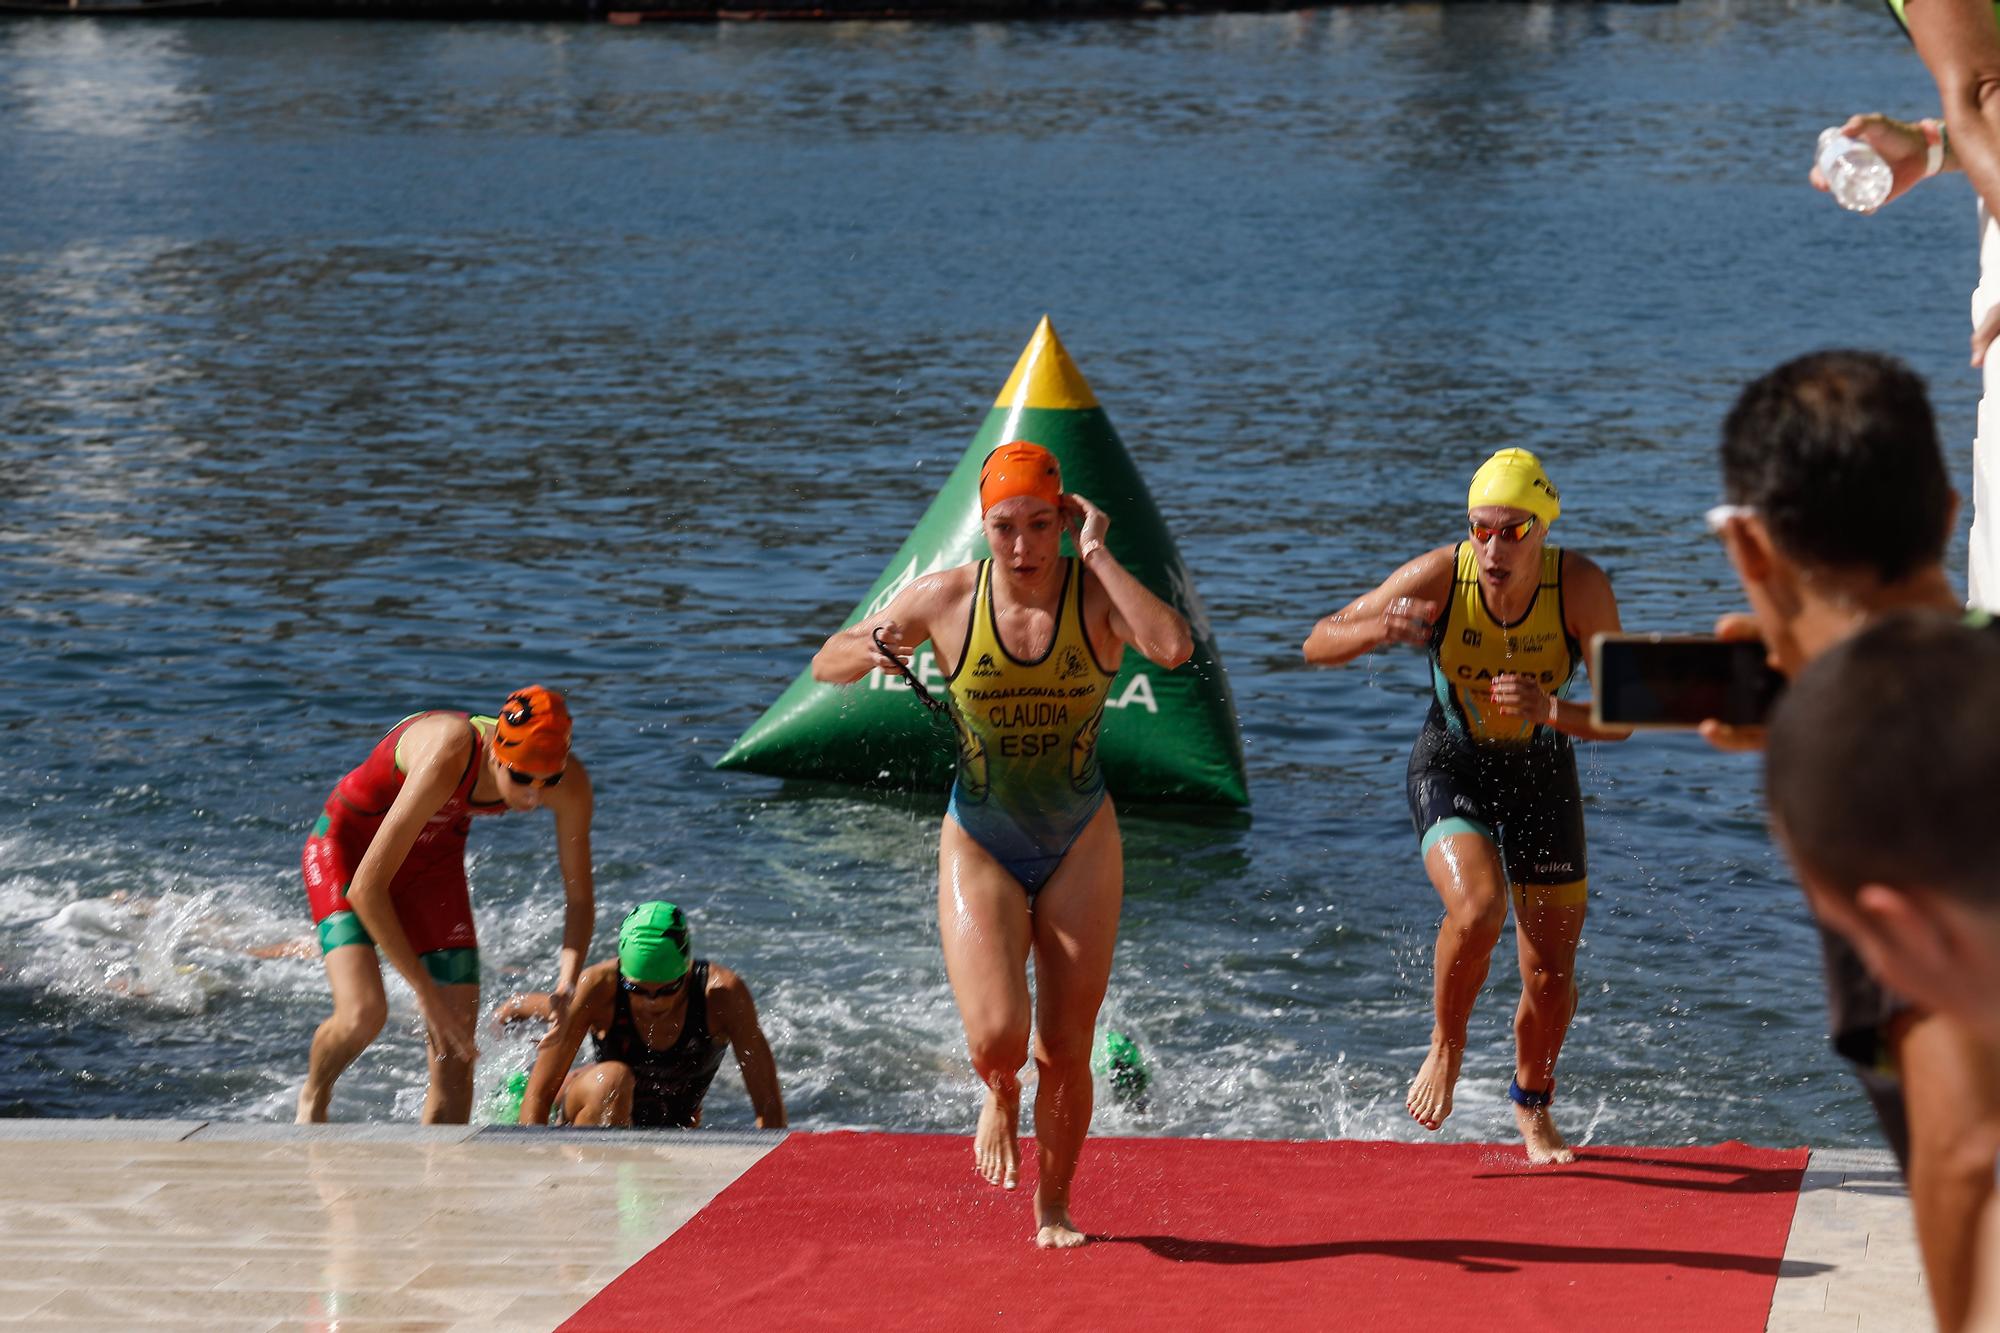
{"x": 1512, "y": 532}
{"x": 659, "y": 992}
{"x": 530, "y": 780}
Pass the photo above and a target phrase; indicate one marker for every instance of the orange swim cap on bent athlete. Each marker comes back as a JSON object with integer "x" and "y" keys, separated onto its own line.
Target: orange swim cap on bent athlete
{"x": 532, "y": 733}
{"x": 1018, "y": 469}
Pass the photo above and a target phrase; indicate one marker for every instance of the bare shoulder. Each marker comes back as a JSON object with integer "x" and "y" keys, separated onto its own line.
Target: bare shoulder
{"x": 595, "y": 990}
{"x": 731, "y": 1010}
{"x": 726, "y": 984}
{"x": 1429, "y": 573}
{"x": 1584, "y": 576}
{"x": 444, "y": 733}
{"x": 940, "y": 589}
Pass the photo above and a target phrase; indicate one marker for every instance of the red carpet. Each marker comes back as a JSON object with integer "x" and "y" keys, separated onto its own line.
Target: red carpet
{"x": 869, "y": 1231}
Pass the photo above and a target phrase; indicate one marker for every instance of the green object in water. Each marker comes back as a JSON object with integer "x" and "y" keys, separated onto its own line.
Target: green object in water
{"x": 504, "y": 1106}
{"x": 1117, "y": 1058}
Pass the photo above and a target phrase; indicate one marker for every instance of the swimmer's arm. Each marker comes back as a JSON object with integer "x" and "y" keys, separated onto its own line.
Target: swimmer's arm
{"x": 1951, "y": 1092}
{"x": 1960, "y": 46}
{"x": 1589, "y": 609}
{"x": 1985, "y": 1311}
{"x": 905, "y": 624}
{"x": 1400, "y": 611}
{"x": 1138, "y": 615}
{"x": 438, "y": 751}
{"x": 559, "y": 1048}
{"x": 532, "y": 1007}
{"x": 572, "y": 802}
{"x": 730, "y": 1002}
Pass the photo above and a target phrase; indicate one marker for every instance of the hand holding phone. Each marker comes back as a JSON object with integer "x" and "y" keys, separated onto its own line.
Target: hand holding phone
{"x": 1662, "y": 682}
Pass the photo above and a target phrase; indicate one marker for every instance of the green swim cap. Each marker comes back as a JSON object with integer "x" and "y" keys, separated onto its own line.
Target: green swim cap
{"x": 653, "y": 944}
{"x": 1117, "y": 1058}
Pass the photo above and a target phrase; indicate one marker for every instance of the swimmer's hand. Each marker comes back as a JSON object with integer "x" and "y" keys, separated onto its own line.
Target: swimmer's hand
{"x": 891, "y": 640}
{"x": 532, "y": 1007}
{"x": 559, "y": 1001}
{"x": 1735, "y": 627}
{"x": 1983, "y": 336}
{"x": 448, "y": 1031}
{"x": 1408, "y": 620}
{"x": 1087, "y": 523}
{"x": 1518, "y": 695}
{"x": 1901, "y": 144}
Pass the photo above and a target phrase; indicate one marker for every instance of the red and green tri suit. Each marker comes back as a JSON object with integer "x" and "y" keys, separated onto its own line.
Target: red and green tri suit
{"x": 429, "y": 890}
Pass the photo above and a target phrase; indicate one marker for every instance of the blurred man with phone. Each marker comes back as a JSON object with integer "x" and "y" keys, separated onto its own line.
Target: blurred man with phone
{"x": 1880, "y": 776}
{"x": 1838, "y": 512}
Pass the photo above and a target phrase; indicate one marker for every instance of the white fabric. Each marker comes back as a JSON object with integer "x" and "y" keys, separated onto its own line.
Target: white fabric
{"x": 1983, "y": 547}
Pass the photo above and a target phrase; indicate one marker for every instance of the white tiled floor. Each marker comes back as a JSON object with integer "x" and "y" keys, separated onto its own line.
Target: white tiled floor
{"x": 1851, "y": 1264}
{"x": 337, "y": 1232}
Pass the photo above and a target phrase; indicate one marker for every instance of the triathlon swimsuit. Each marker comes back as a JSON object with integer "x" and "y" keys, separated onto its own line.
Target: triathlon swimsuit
{"x": 1476, "y": 770}
{"x": 1028, "y": 778}
{"x": 428, "y": 890}
{"x": 669, "y": 1085}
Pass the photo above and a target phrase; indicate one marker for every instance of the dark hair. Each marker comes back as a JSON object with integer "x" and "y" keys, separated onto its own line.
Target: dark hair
{"x": 1839, "y": 454}
{"x": 1883, "y": 762}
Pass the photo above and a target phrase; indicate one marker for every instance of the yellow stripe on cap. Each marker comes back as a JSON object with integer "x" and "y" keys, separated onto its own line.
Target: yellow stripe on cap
{"x": 1045, "y": 377}
{"x": 1514, "y": 478}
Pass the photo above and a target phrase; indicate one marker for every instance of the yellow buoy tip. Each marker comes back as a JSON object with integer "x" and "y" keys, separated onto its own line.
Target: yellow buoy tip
{"x": 1045, "y": 377}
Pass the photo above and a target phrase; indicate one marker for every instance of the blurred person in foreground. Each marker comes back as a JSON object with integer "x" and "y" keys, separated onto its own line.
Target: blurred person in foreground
{"x": 1838, "y": 513}
{"x": 1959, "y": 43}
{"x": 1880, "y": 776}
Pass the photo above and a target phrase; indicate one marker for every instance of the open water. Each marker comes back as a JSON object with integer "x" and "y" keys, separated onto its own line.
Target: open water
{"x": 348, "y": 369}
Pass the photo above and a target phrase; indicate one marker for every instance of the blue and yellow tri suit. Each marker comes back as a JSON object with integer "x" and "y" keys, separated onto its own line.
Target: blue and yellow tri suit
{"x": 1475, "y": 770}
{"x": 1028, "y": 779}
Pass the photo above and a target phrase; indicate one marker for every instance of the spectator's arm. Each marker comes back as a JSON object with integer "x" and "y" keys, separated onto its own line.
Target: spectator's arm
{"x": 1951, "y": 1092}
{"x": 1959, "y": 42}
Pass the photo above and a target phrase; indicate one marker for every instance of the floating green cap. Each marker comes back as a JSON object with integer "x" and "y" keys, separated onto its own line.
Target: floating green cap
{"x": 503, "y": 1107}
{"x": 1117, "y": 1058}
{"x": 653, "y": 943}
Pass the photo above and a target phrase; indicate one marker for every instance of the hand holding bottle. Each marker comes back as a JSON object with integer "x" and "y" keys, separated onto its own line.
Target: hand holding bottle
{"x": 1869, "y": 160}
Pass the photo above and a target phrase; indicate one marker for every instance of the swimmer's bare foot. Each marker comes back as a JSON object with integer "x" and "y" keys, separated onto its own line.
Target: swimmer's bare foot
{"x": 996, "y": 1145}
{"x": 1429, "y": 1101}
{"x": 1539, "y": 1135}
{"x": 1054, "y": 1230}
{"x": 312, "y": 1105}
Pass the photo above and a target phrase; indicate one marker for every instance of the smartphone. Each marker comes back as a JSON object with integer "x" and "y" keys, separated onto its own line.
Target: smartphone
{"x": 1659, "y": 681}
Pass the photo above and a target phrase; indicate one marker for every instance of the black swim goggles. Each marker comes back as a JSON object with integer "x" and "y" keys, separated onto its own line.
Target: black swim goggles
{"x": 519, "y": 778}
{"x": 924, "y": 696}
{"x": 664, "y": 991}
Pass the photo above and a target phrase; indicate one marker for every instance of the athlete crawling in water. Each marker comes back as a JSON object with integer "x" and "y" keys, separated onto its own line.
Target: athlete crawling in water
{"x": 660, "y": 1020}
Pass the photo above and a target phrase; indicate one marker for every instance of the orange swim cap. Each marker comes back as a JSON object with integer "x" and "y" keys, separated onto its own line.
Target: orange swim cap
{"x": 532, "y": 733}
{"x": 1018, "y": 469}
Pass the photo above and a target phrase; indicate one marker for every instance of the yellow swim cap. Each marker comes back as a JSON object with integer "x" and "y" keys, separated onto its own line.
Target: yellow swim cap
{"x": 1514, "y": 478}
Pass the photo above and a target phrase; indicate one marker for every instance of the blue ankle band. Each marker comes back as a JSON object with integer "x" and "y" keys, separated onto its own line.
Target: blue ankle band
{"x": 1534, "y": 1101}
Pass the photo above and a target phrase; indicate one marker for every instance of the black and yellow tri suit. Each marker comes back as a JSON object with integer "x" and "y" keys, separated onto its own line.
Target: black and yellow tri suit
{"x": 1476, "y": 770}
{"x": 1028, "y": 780}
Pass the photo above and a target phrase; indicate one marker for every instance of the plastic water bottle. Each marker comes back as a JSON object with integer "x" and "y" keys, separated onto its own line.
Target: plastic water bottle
{"x": 1858, "y": 176}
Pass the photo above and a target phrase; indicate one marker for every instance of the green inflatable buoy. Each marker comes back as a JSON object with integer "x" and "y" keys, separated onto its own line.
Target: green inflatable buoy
{"x": 1117, "y": 1059}
{"x": 1167, "y": 735}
